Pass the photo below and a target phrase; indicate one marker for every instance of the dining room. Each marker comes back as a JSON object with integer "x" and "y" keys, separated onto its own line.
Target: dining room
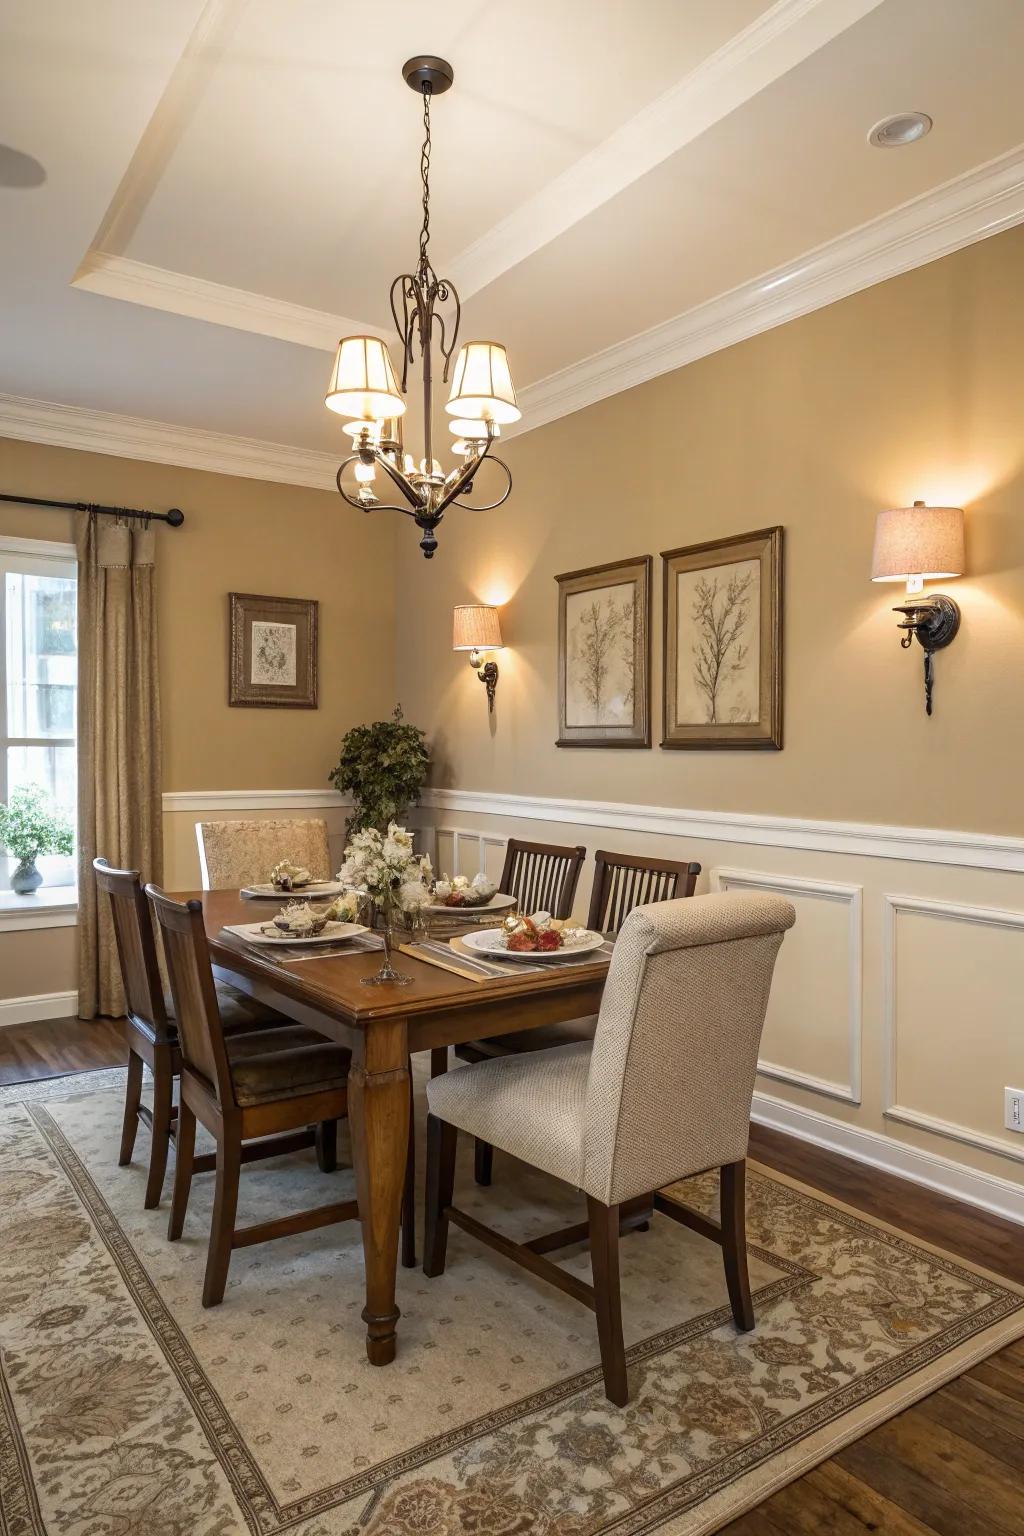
{"x": 590, "y": 1103}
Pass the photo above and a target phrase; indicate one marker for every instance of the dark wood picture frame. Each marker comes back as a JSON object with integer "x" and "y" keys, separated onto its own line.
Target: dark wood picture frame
{"x": 765, "y": 733}
{"x": 300, "y": 659}
{"x": 638, "y": 572}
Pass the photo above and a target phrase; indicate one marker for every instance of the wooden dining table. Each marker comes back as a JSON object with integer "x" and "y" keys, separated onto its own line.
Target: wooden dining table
{"x": 382, "y": 1026}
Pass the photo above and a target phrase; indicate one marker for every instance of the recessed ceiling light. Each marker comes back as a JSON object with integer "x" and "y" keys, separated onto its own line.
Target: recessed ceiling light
{"x": 901, "y": 128}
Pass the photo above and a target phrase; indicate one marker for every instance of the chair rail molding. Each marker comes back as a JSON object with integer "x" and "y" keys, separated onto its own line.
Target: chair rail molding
{"x": 943, "y": 911}
{"x": 926, "y": 845}
{"x": 724, "y": 879}
{"x": 200, "y": 801}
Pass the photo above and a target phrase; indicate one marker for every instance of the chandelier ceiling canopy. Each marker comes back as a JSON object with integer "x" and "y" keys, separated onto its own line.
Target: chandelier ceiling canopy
{"x": 364, "y": 387}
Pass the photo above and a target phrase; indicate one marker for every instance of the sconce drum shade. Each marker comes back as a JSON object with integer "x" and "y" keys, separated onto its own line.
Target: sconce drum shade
{"x": 918, "y": 541}
{"x": 475, "y": 627}
{"x": 363, "y": 383}
{"x": 482, "y": 388}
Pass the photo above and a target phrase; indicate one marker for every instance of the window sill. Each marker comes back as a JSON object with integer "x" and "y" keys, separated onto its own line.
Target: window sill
{"x": 52, "y": 906}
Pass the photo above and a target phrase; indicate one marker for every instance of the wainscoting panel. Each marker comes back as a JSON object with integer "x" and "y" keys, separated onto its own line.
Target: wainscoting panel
{"x": 895, "y": 1020}
{"x": 952, "y": 1009}
{"x": 812, "y": 1035}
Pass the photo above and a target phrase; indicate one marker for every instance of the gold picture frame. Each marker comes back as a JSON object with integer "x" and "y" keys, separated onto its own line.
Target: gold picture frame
{"x": 273, "y": 652}
{"x": 604, "y": 655}
{"x": 722, "y": 615}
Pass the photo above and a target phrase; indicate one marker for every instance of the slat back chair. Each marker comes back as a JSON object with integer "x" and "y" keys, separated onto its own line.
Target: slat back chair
{"x": 661, "y": 1094}
{"x": 151, "y": 1034}
{"x": 241, "y": 1089}
{"x": 623, "y": 881}
{"x": 150, "y": 1038}
{"x": 233, "y": 854}
{"x": 542, "y": 876}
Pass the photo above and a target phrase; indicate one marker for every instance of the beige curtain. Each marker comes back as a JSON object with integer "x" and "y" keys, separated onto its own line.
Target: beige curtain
{"x": 119, "y": 811}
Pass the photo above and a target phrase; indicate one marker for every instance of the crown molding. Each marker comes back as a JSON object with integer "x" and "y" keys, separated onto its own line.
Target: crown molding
{"x": 971, "y": 207}
{"x": 158, "y": 442}
{"x": 786, "y": 34}
{"x": 119, "y": 277}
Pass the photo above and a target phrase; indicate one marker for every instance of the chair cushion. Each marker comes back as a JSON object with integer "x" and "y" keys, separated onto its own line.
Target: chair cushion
{"x": 285, "y": 1064}
{"x": 570, "y": 1032}
{"x": 530, "y": 1105}
{"x": 238, "y": 1013}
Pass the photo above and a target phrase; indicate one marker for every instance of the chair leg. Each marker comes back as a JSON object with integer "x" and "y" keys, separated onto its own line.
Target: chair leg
{"x": 222, "y": 1231}
{"x": 132, "y": 1100}
{"x": 163, "y": 1084}
{"x": 483, "y": 1162}
{"x": 409, "y": 1192}
{"x": 734, "y": 1243}
{"x": 184, "y": 1154}
{"x": 604, "y": 1254}
{"x": 442, "y": 1140}
{"x": 327, "y": 1146}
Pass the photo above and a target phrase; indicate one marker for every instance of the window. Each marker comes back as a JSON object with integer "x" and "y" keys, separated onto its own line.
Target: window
{"x": 38, "y": 681}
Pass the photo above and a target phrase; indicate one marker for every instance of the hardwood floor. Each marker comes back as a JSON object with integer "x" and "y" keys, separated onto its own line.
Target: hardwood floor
{"x": 953, "y": 1465}
{"x": 29, "y": 1052}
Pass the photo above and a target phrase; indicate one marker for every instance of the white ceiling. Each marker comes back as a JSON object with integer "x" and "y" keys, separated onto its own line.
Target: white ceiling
{"x": 230, "y": 185}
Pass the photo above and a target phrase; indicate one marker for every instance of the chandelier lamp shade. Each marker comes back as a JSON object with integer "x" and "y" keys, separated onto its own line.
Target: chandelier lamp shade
{"x": 364, "y": 387}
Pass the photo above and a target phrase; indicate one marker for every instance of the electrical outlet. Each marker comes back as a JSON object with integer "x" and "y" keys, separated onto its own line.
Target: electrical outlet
{"x": 1013, "y": 1109}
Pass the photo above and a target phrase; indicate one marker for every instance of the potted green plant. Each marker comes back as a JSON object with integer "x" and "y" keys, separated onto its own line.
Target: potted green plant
{"x": 31, "y": 825}
{"x": 383, "y": 767}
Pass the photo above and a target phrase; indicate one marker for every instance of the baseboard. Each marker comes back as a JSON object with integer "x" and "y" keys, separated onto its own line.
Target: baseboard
{"x": 1002, "y": 1197}
{"x": 31, "y": 1010}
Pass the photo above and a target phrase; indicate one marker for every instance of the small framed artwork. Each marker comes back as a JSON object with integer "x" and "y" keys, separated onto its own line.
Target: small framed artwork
{"x": 723, "y": 643}
{"x": 273, "y": 652}
{"x": 604, "y": 655}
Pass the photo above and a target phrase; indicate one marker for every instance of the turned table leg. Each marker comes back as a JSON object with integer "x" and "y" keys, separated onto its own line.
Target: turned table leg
{"x": 378, "y": 1110}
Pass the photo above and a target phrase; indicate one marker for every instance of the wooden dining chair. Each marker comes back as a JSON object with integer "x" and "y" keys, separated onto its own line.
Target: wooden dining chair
{"x": 542, "y": 876}
{"x": 622, "y": 881}
{"x": 233, "y": 854}
{"x": 662, "y": 1092}
{"x": 151, "y": 1030}
{"x": 241, "y": 1089}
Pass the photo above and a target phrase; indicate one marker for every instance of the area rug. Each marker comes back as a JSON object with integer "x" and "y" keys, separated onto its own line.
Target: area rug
{"x": 126, "y": 1410}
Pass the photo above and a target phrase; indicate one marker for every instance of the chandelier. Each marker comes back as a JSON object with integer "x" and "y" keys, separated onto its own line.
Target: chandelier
{"x": 363, "y": 386}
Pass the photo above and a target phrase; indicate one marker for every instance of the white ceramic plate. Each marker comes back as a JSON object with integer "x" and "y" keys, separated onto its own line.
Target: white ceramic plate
{"x": 265, "y": 933}
{"x": 314, "y": 888}
{"x": 497, "y": 903}
{"x": 490, "y": 942}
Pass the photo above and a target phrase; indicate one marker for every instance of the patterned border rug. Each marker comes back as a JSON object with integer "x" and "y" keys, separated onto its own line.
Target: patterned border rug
{"x": 126, "y": 1410}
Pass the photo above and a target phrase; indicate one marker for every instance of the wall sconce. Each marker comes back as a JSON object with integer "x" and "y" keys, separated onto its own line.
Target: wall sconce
{"x": 476, "y": 629}
{"x": 918, "y": 544}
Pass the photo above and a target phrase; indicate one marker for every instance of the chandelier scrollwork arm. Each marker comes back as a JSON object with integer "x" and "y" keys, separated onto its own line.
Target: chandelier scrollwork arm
{"x": 490, "y": 506}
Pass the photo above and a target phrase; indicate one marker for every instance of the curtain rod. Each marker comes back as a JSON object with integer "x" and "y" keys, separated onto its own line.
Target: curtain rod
{"x": 173, "y": 518}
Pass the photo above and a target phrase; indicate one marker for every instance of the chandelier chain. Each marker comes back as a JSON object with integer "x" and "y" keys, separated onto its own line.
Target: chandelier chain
{"x": 425, "y": 178}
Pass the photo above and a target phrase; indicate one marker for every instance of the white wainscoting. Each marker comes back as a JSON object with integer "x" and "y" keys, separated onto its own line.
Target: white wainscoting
{"x": 851, "y": 896}
{"x": 863, "y": 1101}
{"x": 947, "y": 912}
{"x": 33, "y": 1010}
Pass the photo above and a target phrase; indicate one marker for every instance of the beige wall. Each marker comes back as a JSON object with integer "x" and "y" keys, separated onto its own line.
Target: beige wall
{"x": 239, "y": 535}
{"x": 910, "y": 389}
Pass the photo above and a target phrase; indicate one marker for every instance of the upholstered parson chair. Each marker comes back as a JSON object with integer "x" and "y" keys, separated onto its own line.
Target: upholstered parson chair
{"x": 662, "y": 1093}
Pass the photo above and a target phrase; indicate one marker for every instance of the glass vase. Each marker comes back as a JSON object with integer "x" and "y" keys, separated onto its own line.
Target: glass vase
{"x": 387, "y": 975}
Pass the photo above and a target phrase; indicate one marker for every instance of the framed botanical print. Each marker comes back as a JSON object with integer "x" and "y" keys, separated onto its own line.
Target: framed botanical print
{"x": 722, "y": 675}
{"x": 273, "y": 662}
{"x": 604, "y": 655}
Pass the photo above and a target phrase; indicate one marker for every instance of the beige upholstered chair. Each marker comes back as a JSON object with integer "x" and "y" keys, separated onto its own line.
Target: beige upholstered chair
{"x": 237, "y": 853}
{"x": 663, "y": 1092}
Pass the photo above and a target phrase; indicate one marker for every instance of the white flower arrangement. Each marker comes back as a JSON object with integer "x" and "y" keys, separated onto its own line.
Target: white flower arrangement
{"x": 384, "y": 867}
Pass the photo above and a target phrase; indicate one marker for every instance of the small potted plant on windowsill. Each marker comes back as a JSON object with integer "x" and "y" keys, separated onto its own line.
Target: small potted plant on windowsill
{"x": 30, "y": 826}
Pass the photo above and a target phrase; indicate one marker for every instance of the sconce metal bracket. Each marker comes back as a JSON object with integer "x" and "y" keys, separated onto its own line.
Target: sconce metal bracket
{"x": 933, "y": 621}
{"x": 488, "y": 675}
